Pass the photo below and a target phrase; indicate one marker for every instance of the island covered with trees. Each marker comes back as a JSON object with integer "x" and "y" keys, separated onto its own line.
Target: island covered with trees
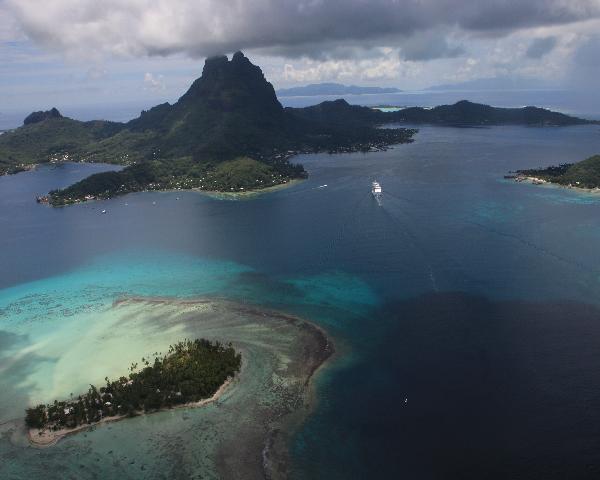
{"x": 460, "y": 114}
{"x": 239, "y": 175}
{"x": 584, "y": 174}
{"x": 227, "y": 133}
{"x": 191, "y": 371}
{"x": 230, "y": 113}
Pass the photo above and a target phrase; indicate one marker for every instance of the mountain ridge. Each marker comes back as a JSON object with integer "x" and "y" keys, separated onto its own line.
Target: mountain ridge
{"x": 462, "y": 113}
{"x": 227, "y": 132}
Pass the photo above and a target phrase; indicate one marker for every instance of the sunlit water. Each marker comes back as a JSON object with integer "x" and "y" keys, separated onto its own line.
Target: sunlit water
{"x": 465, "y": 305}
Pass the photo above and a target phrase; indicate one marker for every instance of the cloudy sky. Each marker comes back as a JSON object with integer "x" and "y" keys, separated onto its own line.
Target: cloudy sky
{"x": 101, "y": 53}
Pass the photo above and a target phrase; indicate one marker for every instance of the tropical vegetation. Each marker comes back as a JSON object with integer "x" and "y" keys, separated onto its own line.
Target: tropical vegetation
{"x": 584, "y": 174}
{"x": 230, "y": 112}
{"x": 191, "y": 370}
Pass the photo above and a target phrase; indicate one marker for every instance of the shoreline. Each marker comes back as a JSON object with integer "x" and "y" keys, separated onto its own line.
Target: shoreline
{"x": 236, "y": 195}
{"x": 48, "y": 438}
{"x": 245, "y": 195}
{"x": 539, "y": 182}
{"x": 28, "y": 167}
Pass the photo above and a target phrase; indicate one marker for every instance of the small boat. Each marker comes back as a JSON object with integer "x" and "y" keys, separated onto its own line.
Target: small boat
{"x": 103, "y": 211}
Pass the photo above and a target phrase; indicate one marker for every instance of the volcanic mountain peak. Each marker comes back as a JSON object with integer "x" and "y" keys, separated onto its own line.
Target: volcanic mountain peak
{"x": 40, "y": 116}
{"x": 234, "y": 84}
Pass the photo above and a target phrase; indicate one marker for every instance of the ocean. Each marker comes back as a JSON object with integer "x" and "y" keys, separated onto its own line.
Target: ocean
{"x": 464, "y": 309}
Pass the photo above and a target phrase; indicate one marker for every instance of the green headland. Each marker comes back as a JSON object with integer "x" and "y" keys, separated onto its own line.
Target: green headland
{"x": 584, "y": 174}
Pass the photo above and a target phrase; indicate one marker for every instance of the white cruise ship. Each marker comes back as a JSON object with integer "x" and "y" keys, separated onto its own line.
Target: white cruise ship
{"x": 377, "y": 192}
{"x": 376, "y": 189}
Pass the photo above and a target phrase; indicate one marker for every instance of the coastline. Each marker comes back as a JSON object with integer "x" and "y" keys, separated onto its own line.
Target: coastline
{"x": 239, "y": 195}
{"x": 46, "y": 438}
{"x": 541, "y": 182}
{"x": 249, "y": 194}
{"x": 27, "y": 167}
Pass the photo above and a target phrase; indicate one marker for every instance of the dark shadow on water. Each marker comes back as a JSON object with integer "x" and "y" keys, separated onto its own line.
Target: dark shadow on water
{"x": 257, "y": 284}
{"x": 459, "y": 386}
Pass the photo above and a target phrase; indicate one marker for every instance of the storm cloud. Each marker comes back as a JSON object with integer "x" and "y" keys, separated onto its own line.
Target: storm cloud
{"x": 584, "y": 68}
{"x": 428, "y": 46}
{"x": 541, "y": 46}
{"x": 201, "y": 28}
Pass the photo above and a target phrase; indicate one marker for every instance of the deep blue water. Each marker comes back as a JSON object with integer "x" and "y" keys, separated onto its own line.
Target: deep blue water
{"x": 466, "y": 306}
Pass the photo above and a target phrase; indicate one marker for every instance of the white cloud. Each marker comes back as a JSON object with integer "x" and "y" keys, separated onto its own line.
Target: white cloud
{"x": 9, "y": 26}
{"x": 154, "y": 82}
{"x": 382, "y": 69}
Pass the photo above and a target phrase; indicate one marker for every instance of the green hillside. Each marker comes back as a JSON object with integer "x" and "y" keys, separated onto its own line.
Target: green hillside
{"x": 230, "y": 112}
{"x": 463, "y": 113}
{"x": 584, "y": 174}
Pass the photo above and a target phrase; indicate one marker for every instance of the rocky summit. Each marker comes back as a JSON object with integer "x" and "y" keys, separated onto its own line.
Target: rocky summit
{"x": 228, "y": 132}
{"x": 40, "y": 116}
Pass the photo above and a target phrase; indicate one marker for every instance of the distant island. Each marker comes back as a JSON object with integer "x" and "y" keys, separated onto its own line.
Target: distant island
{"x": 191, "y": 372}
{"x": 227, "y": 133}
{"x": 333, "y": 89}
{"x": 584, "y": 174}
{"x": 463, "y": 113}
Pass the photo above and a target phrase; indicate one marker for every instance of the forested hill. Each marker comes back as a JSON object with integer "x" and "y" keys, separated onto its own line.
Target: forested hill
{"x": 583, "y": 174}
{"x": 469, "y": 113}
{"x": 230, "y": 110}
{"x": 461, "y": 113}
{"x": 227, "y": 132}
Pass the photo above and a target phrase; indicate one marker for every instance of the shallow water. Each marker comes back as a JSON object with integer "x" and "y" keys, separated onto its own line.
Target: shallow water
{"x": 472, "y": 297}
{"x": 278, "y": 355}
